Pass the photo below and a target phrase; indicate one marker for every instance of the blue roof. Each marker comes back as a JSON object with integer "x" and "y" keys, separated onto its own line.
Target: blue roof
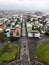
{"x": 8, "y": 33}
{"x": 9, "y": 27}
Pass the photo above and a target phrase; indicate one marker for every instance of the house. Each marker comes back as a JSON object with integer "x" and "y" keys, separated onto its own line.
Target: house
{"x": 17, "y": 31}
{"x": 13, "y": 32}
{"x": 34, "y": 33}
{"x": 47, "y": 23}
{"x": 8, "y": 34}
{"x": 1, "y": 28}
{"x": 8, "y": 31}
{"x": 32, "y": 19}
{"x": 9, "y": 26}
{"x": 1, "y": 21}
{"x": 36, "y": 24}
{"x": 29, "y": 26}
{"x": 13, "y": 24}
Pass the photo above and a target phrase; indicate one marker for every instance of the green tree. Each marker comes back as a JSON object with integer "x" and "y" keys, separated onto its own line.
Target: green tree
{"x": 2, "y": 36}
{"x": 11, "y": 36}
{"x": 28, "y": 18}
{"x": 17, "y": 33}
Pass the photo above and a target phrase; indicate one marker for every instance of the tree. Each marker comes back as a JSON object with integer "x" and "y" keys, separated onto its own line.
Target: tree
{"x": 2, "y": 36}
{"x": 39, "y": 29}
{"x": 18, "y": 20}
{"x": 28, "y": 18}
{"x": 11, "y": 36}
{"x": 17, "y": 33}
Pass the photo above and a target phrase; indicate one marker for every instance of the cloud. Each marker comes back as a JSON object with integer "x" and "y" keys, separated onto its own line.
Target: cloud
{"x": 25, "y": 4}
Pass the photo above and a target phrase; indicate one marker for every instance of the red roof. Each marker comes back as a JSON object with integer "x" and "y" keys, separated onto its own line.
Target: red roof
{"x": 1, "y": 21}
{"x": 17, "y": 30}
{"x": 13, "y": 31}
{"x": 2, "y": 27}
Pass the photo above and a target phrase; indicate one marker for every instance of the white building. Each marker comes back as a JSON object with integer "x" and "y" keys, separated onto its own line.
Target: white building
{"x": 34, "y": 33}
{"x": 47, "y": 23}
{"x": 29, "y": 26}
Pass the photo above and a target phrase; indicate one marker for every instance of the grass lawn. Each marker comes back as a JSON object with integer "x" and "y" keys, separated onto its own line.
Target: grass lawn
{"x": 1, "y": 48}
{"x": 42, "y": 52}
{"x": 10, "y": 53}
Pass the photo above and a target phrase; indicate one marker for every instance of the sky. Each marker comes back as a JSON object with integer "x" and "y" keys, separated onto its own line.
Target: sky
{"x": 39, "y": 5}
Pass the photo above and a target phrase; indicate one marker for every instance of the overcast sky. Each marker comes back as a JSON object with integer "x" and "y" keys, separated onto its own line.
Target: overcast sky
{"x": 25, "y": 4}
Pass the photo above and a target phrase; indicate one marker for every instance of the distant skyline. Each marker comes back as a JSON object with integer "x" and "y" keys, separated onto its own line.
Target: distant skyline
{"x": 33, "y": 5}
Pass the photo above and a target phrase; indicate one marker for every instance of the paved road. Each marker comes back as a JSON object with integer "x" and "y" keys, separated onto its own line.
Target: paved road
{"x": 24, "y": 52}
{"x": 23, "y": 29}
{"x": 25, "y": 60}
